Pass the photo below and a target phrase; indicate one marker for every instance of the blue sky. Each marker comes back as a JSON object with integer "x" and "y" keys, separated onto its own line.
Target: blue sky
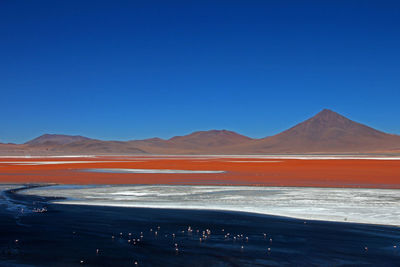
{"x": 125, "y": 70}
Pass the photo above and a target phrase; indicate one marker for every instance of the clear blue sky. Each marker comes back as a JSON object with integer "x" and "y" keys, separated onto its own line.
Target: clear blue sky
{"x": 135, "y": 69}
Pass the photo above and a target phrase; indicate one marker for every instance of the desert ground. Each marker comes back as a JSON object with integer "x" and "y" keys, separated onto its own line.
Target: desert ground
{"x": 326, "y": 171}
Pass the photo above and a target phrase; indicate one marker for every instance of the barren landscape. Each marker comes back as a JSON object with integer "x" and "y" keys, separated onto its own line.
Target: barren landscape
{"x": 326, "y": 133}
{"x": 199, "y": 133}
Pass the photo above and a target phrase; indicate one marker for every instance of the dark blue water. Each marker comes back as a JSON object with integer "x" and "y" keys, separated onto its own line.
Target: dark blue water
{"x": 67, "y": 235}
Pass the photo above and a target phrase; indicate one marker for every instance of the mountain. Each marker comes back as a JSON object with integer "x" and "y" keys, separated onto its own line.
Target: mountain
{"x": 77, "y": 145}
{"x": 194, "y": 143}
{"x": 94, "y": 147}
{"x": 12, "y": 149}
{"x": 326, "y": 132}
{"x": 56, "y": 139}
{"x": 200, "y": 142}
{"x": 212, "y": 138}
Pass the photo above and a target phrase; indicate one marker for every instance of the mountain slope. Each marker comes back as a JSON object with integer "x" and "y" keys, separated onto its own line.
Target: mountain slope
{"x": 200, "y": 142}
{"x": 326, "y": 132}
{"x": 212, "y": 138}
{"x": 94, "y": 147}
{"x": 56, "y": 139}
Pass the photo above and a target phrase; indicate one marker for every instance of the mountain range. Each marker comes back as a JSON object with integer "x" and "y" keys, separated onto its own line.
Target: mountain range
{"x": 326, "y": 132}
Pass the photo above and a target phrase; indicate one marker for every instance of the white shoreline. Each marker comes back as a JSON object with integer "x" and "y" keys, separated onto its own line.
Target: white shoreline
{"x": 370, "y": 206}
{"x": 339, "y": 220}
{"x": 269, "y": 156}
{"x": 29, "y": 163}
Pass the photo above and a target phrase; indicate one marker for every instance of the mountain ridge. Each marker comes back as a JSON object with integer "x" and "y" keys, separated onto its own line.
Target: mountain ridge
{"x": 326, "y": 132}
{"x": 56, "y": 139}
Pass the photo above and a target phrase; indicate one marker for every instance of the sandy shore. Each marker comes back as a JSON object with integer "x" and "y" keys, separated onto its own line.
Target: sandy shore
{"x": 108, "y": 236}
{"x": 326, "y": 171}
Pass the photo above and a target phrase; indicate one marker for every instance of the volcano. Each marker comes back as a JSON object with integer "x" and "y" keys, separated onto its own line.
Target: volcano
{"x": 326, "y": 132}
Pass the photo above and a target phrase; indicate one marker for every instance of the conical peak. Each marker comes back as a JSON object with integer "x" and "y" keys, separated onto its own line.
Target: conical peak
{"x": 329, "y": 116}
{"x": 326, "y": 113}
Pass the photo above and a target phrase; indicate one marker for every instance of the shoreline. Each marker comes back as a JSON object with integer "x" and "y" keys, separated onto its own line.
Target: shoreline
{"x": 277, "y": 155}
{"x": 66, "y": 234}
{"x": 69, "y": 195}
{"x": 249, "y": 213}
{"x": 203, "y": 185}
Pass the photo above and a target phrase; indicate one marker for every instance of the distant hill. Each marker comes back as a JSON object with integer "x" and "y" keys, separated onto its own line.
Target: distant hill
{"x": 12, "y": 149}
{"x": 56, "y": 139}
{"x": 212, "y": 138}
{"x": 199, "y": 142}
{"x": 95, "y": 147}
{"x": 326, "y": 132}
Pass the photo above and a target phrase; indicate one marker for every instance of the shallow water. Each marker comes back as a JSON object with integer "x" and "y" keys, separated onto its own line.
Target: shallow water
{"x": 65, "y": 235}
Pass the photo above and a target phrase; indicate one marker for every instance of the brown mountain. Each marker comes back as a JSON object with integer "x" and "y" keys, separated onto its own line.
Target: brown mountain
{"x": 95, "y": 147}
{"x": 12, "y": 149}
{"x": 212, "y": 138}
{"x": 56, "y": 139}
{"x": 195, "y": 143}
{"x": 326, "y": 132}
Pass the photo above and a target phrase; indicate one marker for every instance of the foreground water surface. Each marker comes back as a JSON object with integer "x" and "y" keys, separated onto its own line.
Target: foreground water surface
{"x": 76, "y": 235}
